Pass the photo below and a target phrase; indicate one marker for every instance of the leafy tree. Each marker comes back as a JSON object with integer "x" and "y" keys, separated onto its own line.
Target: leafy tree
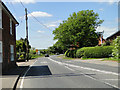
{"x": 116, "y": 49}
{"x": 79, "y": 27}
{"x": 21, "y": 47}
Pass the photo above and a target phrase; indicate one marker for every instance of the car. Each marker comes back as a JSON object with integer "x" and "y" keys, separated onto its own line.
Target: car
{"x": 57, "y": 53}
{"x": 46, "y": 55}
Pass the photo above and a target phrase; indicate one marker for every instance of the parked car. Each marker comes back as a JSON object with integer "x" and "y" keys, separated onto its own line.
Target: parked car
{"x": 46, "y": 55}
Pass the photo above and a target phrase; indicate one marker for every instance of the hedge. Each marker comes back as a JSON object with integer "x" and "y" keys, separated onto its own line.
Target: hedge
{"x": 70, "y": 53}
{"x": 116, "y": 49}
{"x": 95, "y": 52}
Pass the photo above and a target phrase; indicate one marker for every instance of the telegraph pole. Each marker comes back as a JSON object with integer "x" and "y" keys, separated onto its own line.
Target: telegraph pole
{"x": 27, "y": 47}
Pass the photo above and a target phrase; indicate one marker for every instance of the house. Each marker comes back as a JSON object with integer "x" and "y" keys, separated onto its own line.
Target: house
{"x": 101, "y": 41}
{"x": 7, "y": 38}
{"x": 113, "y": 36}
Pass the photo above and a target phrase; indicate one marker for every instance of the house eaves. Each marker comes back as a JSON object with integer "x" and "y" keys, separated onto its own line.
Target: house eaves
{"x": 113, "y": 35}
{"x": 8, "y": 12}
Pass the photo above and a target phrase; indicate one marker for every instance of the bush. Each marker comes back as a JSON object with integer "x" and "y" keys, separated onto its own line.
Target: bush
{"x": 116, "y": 49}
{"x": 94, "y": 52}
{"x": 70, "y": 53}
{"x": 80, "y": 52}
{"x": 107, "y": 43}
{"x": 66, "y": 53}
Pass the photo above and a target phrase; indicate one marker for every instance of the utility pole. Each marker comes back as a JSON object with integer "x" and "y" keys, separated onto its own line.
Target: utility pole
{"x": 27, "y": 47}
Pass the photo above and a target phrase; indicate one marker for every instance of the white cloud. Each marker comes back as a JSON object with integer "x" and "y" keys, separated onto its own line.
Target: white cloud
{"x": 56, "y": 22}
{"x": 101, "y": 9}
{"x": 40, "y": 14}
{"x": 39, "y": 31}
{"x": 107, "y": 30}
{"x": 52, "y": 25}
{"x": 111, "y": 2}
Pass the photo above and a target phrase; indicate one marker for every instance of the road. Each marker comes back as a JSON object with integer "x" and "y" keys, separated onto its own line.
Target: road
{"x": 54, "y": 72}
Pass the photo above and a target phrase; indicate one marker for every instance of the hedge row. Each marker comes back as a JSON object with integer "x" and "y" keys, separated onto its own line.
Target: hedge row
{"x": 91, "y": 52}
{"x": 70, "y": 53}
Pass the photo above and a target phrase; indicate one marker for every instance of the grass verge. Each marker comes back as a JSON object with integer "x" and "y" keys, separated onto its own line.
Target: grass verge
{"x": 111, "y": 59}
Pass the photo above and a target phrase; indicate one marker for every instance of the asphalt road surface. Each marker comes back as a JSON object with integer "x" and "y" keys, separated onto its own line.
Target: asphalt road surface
{"x": 53, "y": 72}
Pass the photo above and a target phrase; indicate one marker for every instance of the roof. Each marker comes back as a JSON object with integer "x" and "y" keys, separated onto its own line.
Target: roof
{"x": 113, "y": 35}
{"x": 4, "y": 6}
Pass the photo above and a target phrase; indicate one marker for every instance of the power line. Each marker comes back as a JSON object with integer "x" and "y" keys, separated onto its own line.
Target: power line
{"x": 35, "y": 17}
{"x": 12, "y": 7}
{"x": 22, "y": 4}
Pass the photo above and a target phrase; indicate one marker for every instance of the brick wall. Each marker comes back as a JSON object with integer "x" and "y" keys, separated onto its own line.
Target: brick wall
{"x": 7, "y": 40}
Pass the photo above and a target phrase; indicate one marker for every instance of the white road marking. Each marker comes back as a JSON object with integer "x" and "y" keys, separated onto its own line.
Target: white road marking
{"x": 43, "y": 62}
{"x": 22, "y": 81}
{"x": 87, "y": 68}
{"x": 69, "y": 68}
{"x": 111, "y": 79}
{"x": 92, "y": 70}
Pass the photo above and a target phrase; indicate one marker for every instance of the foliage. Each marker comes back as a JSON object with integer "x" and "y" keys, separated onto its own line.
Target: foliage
{"x": 21, "y": 48}
{"x": 107, "y": 43}
{"x": 66, "y": 53}
{"x": 80, "y": 52}
{"x": 94, "y": 52}
{"x": 70, "y": 53}
{"x": 79, "y": 27}
{"x": 116, "y": 49}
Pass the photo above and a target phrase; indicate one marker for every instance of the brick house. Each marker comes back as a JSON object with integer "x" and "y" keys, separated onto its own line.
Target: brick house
{"x": 101, "y": 41}
{"x": 7, "y": 38}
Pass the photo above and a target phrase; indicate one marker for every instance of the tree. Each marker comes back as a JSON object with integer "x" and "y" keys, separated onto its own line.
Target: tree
{"x": 21, "y": 47}
{"x": 78, "y": 28}
{"x": 116, "y": 49}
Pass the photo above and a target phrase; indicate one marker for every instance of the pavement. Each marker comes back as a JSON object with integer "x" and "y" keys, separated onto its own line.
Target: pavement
{"x": 11, "y": 77}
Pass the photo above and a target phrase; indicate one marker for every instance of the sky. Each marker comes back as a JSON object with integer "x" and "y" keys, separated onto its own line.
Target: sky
{"x": 51, "y": 14}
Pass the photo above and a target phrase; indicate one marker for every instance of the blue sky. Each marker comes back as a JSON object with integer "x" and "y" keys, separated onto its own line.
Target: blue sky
{"x": 52, "y": 14}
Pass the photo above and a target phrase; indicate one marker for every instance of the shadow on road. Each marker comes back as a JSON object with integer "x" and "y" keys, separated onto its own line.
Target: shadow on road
{"x": 59, "y": 75}
{"x": 15, "y": 71}
{"x": 39, "y": 71}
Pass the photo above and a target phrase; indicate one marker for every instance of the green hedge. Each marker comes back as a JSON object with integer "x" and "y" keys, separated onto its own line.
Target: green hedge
{"x": 116, "y": 49}
{"x": 70, "y": 53}
{"x": 94, "y": 52}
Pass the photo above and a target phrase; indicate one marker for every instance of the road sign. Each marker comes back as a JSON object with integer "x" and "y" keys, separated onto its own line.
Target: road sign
{"x": 36, "y": 50}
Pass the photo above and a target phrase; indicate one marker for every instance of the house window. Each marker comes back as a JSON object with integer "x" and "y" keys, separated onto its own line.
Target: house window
{"x": 0, "y": 51}
{"x": 12, "y": 52}
{"x": 11, "y": 27}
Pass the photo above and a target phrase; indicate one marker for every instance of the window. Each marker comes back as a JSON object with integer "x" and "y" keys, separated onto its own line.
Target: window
{"x": 12, "y": 52}
{"x": 11, "y": 27}
{"x": 0, "y": 51}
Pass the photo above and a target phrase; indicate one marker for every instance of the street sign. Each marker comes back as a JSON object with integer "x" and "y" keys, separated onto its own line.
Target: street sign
{"x": 36, "y": 50}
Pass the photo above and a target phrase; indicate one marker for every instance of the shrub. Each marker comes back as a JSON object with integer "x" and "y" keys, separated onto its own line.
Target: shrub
{"x": 94, "y": 52}
{"x": 21, "y": 56}
{"x": 70, "y": 53}
{"x": 66, "y": 53}
{"x": 116, "y": 49}
{"x": 80, "y": 52}
{"x": 107, "y": 43}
